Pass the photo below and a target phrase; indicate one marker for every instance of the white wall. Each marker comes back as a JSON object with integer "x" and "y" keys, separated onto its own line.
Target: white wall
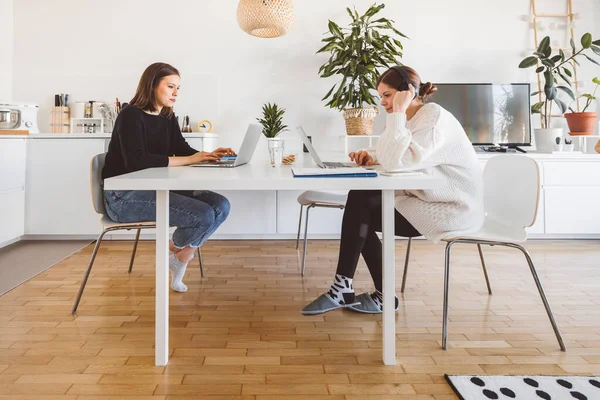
{"x": 6, "y": 60}
{"x": 97, "y": 51}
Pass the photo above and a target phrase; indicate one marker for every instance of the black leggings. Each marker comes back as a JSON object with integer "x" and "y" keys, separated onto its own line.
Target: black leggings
{"x": 362, "y": 219}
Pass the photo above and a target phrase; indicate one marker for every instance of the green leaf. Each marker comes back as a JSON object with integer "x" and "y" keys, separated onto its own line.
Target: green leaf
{"x": 537, "y": 107}
{"x": 562, "y": 55}
{"x": 596, "y": 81}
{"x": 572, "y": 43}
{"x": 568, "y": 72}
{"x": 561, "y": 105}
{"x": 540, "y": 69}
{"x": 568, "y": 91}
{"x": 564, "y": 78}
{"x": 528, "y": 62}
{"x": 588, "y": 96}
{"x": 596, "y": 42}
{"x": 556, "y": 58}
{"x": 586, "y": 40}
{"x": 329, "y": 93}
{"x": 535, "y": 93}
{"x": 544, "y": 44}
{"x": 590, "y": 59}
{"x": 596, "y": 49}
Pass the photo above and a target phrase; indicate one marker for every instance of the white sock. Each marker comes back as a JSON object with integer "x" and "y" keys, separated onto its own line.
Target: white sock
{"x": 341, "y": 290}
{"x": 177, "y": 271}
{"x": 377, "y": 297}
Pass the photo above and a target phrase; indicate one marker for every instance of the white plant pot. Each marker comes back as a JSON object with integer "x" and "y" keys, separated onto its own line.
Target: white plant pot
{"x": 545, "y": 139}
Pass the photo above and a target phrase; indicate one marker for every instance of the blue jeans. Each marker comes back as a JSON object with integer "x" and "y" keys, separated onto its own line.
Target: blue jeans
{"x": 196, "y": 214}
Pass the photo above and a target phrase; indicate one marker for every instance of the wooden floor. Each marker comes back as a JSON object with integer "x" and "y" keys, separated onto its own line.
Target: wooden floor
{"x": 238, "y": 333}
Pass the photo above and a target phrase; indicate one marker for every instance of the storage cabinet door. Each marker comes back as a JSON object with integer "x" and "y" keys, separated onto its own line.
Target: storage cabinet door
{"x": 572, "y": 210}
{"x": 58, "y": 197}
{"x": 12, "y": 164}
{"x": 252, "y": 213}
{"x": 12, "y": 215}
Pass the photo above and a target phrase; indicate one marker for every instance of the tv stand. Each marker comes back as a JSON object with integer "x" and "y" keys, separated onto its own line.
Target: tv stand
{"x": 517, "y": 148}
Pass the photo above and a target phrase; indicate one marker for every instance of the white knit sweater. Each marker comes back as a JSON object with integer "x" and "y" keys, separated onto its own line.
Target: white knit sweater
{"x": 434, "y": 142}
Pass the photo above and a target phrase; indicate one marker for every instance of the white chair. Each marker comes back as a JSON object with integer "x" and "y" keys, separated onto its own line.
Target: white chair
{"x": 97, "y": 188}
{"x": 314, "y": 198}
{"x": 511, "y": 194}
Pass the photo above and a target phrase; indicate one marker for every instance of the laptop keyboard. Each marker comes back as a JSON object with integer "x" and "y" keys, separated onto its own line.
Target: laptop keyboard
{"x": 330, "y": 164}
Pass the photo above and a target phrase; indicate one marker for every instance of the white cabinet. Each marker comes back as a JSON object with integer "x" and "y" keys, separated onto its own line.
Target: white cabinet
{"x": 572, "y": 210}
{"x": 202, "y": 143}
{"x": 252, "y": 214}
{"x": 13, "y": 154}
{"x": 58, "y": 199}
{"x": 12, "y": 215}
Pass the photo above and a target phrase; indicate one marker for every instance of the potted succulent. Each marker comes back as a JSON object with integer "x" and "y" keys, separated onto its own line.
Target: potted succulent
{"x": 272, "y": 123}
{"x": 555, "y": 68}
{"x": 356, "y": 52}
{"x": 582, "y": 123}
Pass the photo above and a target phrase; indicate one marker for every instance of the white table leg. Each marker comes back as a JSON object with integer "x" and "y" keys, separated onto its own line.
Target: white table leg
{"x": 162, "y": 278}
{"x": 389, "y": 279}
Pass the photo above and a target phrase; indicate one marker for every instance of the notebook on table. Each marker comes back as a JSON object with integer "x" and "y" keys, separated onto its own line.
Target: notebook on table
{"x": 357, "y": 172}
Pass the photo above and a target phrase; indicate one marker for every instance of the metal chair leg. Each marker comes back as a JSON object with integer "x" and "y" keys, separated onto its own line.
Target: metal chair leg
{"x": 446, "y": 294}
{"x": 299, "y": 225}
{"x": 487, "y": 279}
{"x": 406, "y": 264}
{"x": 200, "y": 262}
{"x": 137, "y": 238}
{"x": 542, "y": 295}
{"x": 87, "y": 272}
{"x": 305, "y": 240}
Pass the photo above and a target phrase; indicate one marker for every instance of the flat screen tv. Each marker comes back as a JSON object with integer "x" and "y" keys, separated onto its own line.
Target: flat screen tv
{"x": 489, "y": 113}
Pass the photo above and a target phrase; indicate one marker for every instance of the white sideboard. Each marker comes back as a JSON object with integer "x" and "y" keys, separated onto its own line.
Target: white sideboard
{"x": 45, "y": 193}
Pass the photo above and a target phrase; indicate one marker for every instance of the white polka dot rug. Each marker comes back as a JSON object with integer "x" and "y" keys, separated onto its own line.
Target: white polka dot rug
{"x": 502, "y": 387}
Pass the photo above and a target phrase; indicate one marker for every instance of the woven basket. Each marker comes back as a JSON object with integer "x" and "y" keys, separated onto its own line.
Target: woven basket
{"x": 360, "y": 121}
{"x": 265, "y": 18}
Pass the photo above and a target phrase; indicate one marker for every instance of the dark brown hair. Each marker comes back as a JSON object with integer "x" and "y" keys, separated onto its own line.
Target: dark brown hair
{"x": 394, "y": 79}
{"x": 145, "y": 95}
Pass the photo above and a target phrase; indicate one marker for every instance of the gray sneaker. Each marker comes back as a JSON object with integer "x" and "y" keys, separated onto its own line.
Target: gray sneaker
{"x": 367, "y": 304}
{"x": 322, "y": 304}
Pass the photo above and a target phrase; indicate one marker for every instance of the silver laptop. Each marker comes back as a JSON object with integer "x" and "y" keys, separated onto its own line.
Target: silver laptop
{"x": 315, "y": 156}
{"x": 244, "y": 154}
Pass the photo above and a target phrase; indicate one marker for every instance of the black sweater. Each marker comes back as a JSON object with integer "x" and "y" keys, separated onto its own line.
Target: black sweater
{"x": 140, "y": 140}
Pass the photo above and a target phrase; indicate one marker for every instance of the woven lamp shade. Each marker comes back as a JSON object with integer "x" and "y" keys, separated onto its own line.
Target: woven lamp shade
{"x": 266, "y": 18}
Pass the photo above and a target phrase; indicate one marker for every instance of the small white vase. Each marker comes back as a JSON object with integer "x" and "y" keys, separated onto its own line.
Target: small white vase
{"x": 545, "y": 139}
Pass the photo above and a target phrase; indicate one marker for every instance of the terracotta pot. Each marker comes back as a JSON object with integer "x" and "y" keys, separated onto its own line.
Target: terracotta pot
{"x": 581, "y": 124}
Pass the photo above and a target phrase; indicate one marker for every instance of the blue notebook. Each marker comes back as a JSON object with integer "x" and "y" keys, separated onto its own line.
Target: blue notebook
{"x": 333, "y": 173}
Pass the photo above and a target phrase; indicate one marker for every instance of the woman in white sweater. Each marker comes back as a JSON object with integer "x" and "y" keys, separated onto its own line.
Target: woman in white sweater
{"x": 418, "y": 136}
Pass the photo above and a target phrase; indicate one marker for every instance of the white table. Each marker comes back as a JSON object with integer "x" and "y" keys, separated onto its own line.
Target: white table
{"x": 261, "y": 176}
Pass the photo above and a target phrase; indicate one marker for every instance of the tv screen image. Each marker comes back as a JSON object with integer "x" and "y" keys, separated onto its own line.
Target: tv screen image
{"x": 489, "y": 113}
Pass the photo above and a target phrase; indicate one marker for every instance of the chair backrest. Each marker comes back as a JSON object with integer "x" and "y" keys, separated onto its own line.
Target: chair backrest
{"x": 96, "y": 182}
{"x": 511, "y": 189}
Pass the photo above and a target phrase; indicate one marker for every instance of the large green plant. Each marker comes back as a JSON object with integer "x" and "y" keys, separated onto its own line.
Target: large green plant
{"x": 356, "y": 53}
{"x": 555, "y": 67}
{"x": 272, "y": 120}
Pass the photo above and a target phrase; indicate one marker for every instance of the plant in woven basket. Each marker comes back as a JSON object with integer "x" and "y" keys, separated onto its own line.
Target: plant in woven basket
{"x": 356, "y": 52}
{"x": 272, "y": 120}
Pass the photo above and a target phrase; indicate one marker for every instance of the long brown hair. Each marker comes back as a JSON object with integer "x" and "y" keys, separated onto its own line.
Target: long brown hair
{"x": 394, "y": 79}
{"x": 145, "y": 95}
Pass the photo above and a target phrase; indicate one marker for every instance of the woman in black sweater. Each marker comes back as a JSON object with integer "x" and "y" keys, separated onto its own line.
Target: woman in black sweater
{"x": 146, "y": 135}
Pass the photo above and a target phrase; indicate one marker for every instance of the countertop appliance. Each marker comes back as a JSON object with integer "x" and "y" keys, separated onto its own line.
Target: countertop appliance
{"x": 19, "y": 116}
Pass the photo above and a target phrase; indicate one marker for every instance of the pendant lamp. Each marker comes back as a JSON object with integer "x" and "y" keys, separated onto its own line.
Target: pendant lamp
{"x": 265, "y": 18}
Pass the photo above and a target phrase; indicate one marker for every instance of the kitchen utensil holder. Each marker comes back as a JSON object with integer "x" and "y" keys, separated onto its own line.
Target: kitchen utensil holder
{"x": 59, "y": 120}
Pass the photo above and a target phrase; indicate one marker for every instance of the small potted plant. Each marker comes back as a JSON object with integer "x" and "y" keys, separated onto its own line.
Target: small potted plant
{"x": 568, "y": 146}
{"x": 582, "y": 123}
{"x": 558, "y": 146}
{"x": 272, "y": 123}
{"x": 356, "y": 52}
{"x": 555, "y": 68}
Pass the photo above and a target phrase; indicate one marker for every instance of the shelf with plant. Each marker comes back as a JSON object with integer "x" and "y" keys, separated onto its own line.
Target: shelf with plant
{"x": 357, "y": 51}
